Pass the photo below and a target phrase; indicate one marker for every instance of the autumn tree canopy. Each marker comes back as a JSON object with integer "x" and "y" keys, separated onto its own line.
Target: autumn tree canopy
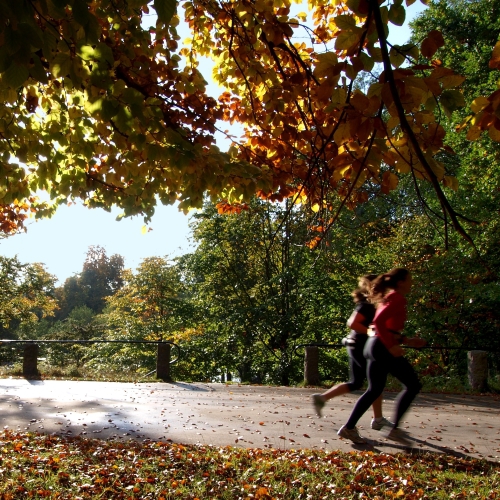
{"x": 99, "y": 106}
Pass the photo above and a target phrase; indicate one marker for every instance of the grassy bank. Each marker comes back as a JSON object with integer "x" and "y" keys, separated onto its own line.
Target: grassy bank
{"x": 38, "y": 466}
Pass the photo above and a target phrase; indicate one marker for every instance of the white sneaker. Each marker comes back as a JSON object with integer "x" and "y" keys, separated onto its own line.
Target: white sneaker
{"x": 377, "y": 425}
{"x": 351, "y": 434}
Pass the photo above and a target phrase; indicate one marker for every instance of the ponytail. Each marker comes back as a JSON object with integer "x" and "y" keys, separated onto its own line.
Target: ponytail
{"x": 363, "y": 291}
{"x": 388, "y": 281}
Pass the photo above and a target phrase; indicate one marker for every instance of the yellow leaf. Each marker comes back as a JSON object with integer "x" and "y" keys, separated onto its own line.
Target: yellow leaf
{"x": 342, "y": 134}
{"x": 495, "y": 57}
{"x": 451, "y": 182}
{"x": 473, "y": 133}
{"x": 347, "y": 39}
{"x": 452, "y": 81}
{"x": 494, "y": 134}
{"x": 479, "y": 104}
{"x": 144, "y": 229}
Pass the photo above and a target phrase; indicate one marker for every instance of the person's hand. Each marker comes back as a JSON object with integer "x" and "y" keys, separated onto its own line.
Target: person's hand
{"x": 415, "y": 342}
{"x": 397, "y": 351}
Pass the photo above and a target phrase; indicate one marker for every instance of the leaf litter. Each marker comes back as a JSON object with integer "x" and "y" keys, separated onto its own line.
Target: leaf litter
{"x": 49, "y": 466}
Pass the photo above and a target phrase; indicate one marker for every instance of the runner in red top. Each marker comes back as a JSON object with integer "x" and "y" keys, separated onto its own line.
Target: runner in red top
{"x": 359, "y": 321}
{"x": 385, "y": 354}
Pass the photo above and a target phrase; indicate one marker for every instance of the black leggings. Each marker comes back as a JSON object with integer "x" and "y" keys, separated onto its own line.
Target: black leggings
{"x": 380, "y": 363}
{"x": 357, "y": 363}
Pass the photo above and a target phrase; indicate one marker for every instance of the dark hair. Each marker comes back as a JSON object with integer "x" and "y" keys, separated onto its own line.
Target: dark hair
{"x": 363, "y": 291}
{"x": 387, "y": 281}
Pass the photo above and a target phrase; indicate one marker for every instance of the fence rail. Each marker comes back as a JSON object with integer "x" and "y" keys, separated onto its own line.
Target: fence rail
{"x": 31, "y": 350}
{"x": 477, "y": 361}
{"x": 442, "y": 347}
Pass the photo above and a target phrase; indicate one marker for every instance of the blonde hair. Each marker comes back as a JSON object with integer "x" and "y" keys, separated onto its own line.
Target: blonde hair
{"x": 363, "y": 291}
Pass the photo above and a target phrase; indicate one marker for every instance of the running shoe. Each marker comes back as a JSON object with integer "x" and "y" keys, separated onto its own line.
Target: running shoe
{"x": 351, "y": 434}
{"x": 318, "y": 403}
{"x": 377, "y": 425}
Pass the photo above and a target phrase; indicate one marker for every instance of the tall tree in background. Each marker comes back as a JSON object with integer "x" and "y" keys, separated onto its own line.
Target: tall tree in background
{"x": 150, "y": 303}
{"x": 101, "y": 277}
{"x": 260, "y": 290}
{"x": 26, "y": 294}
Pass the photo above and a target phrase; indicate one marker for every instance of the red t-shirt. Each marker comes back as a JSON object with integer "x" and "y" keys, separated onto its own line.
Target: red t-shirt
{"x": 390, "y": 315}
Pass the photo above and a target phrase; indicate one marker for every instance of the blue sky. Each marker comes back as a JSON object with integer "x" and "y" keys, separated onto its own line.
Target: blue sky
{"x": 61, "y": 243}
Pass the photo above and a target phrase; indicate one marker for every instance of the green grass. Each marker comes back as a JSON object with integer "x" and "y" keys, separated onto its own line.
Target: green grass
{"x": 72, "y": 372}
{"x": 40, "y": 466}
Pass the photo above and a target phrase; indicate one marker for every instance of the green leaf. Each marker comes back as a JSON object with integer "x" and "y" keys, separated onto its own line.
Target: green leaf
{"x": 38, "y": 72}
{"x": 451, "y": 100}
{"x": 61, "y": 64}
{"x": 15, "y": 76}
{"x": 86, "y": 52}
{"x": 165, "y": 10}
{"x": 396, "y": 57}
{"x": 109, "y": 109}
{"x": 81, "y": 12}
{"x": 344, "y": 22}
{"x": 104, "y": 53}
{"x": 346, "y": 40}
{"x": 367, "y": 61}
{"x": 31, "y": 35}
{"x": 397, "y": 15}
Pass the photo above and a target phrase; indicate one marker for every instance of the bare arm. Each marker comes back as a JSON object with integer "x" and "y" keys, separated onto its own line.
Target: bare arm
{"x": 356, "y": 322}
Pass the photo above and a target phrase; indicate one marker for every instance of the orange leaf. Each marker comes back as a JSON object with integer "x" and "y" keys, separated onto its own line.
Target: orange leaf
{"x": 432, "y": 43}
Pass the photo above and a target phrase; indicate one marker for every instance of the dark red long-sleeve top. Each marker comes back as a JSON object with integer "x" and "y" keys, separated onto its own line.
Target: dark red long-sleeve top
{"x": 390, "y": 317}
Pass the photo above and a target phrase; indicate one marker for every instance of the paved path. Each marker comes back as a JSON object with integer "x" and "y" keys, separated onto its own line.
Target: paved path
{"x": 244, "y": 416}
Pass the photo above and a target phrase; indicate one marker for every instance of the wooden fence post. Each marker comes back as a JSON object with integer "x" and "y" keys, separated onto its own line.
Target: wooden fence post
{"x": 30, "y": 368}
{"x": 163, "y": 361}
{"x": 311, "y": 365}
{"x": 477, "y": 367}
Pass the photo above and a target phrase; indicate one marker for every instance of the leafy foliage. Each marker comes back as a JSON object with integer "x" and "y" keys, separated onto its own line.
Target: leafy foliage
{"x": 100, "y": 278}
{"x": 259, "y": 291}
{"x": 98, "y": 106}
{"x": 52, "y": 467}
{"x": 26, "y": 293}
{"x": 152, "y": 305}
{"x": 149, "y": 302}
